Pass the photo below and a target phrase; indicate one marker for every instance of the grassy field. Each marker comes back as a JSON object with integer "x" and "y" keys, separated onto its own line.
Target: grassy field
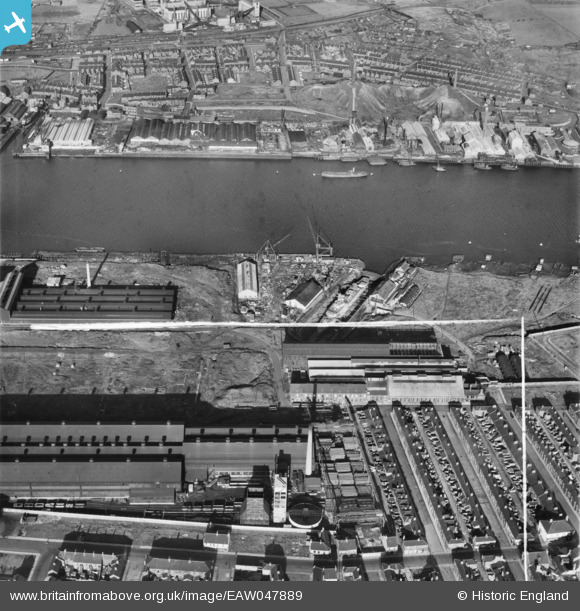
{"x": 80, "y": 11}
{"x": 111, "y": 26}
{"x": 529, "y": 25}
{"x": 452, "y": 296}
{"x": 9, "y": 72}
{"x": 568, "y": 343}
{"x": 565, "y": 15}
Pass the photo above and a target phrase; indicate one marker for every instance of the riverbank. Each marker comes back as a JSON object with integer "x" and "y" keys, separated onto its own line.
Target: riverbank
{"x": 395, "y": 157}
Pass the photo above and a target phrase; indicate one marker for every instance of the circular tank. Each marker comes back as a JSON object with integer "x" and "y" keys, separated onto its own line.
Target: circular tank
{"x": 305, "y": 515}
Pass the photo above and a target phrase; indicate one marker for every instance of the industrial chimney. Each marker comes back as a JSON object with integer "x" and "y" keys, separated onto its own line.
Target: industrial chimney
{"x": 309, "y": 444}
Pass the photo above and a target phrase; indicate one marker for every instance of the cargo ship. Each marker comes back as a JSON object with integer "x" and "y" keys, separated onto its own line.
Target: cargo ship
{"x": 352, "y": 174}
{"x": 405, "y": 162}
{"x": 377, "y": 161}
{"x": 349, "y": 158}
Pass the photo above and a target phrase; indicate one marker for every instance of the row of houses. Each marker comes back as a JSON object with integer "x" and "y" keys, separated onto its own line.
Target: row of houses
{"x": 494, "y": 484}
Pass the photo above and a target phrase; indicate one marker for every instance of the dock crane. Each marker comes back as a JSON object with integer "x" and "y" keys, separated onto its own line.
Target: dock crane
{"x": 268, "y": 249}
{"x": 323, "y": 246}
{"x": 240, "y": 15}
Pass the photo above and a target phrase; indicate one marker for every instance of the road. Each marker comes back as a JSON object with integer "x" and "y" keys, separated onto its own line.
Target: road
{"x": 45, "y": 551}
{"x": 510, "y": 552}
{"x": 558, "y": 447}
{"x": 368, "y": 461}
{"x": 453, "y": 498}
{"x": 436, "y": 546}
{"x": 283, "y": 63}
{"x": 499, "y": 465}
{"x": 546, "y": 342}
{"x": 540, "y": 464}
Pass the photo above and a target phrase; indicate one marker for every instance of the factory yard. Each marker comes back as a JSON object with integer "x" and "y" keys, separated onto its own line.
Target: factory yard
{"x": 204, "y": 293}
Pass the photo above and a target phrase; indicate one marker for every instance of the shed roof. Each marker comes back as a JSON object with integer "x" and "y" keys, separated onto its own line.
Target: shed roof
{"x": 305, "y": 293}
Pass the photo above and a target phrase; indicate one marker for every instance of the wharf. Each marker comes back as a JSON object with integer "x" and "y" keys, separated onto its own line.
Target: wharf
{"x": 278, "y": 156}
{"x": 162, "y": 258}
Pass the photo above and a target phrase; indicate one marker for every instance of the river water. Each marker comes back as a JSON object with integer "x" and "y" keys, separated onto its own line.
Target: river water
{"x": 216, "y": 206}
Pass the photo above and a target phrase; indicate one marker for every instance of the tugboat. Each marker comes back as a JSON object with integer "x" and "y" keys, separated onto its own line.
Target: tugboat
{"x": 352, "y": 174}
{"x": 509, "y": 165}
{"x": 481, "y": 165}
{"x": 438, "y": 167}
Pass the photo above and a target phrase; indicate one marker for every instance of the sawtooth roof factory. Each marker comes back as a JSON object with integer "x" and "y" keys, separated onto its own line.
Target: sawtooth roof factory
{"x": 143, "y": 461}
{"x": 211, "y": 135}
{"x": 93, "y": 459}
{"x": 383, "y": 365}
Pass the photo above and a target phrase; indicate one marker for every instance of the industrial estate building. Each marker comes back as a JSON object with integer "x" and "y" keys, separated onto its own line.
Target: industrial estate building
{"x": 247, "y": 274}
{"x": 144, "y": 461}
{"x": 211, "y": 135}
{"x": 304, "y": 296}
{"x": 68, "y": 133}
{"x": 386, "y": 366}
{"x": 84, "y": 303}
{"x": 97, "y": 459}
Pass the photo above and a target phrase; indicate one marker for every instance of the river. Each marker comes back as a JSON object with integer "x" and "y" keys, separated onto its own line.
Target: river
{"x": 214, "y": 206}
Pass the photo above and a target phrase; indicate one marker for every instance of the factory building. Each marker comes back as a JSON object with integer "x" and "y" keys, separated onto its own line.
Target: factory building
{"x": 545, "y": 145}
{"x": 156, "y": 131}
{"x": 68, "y": 133}
{"x": 244, "y": 456}
{"x": 9, "y": 291}
{"x": 304, "y": 296}
{"x": 255, "y": 508}
{"x": 102, "y": 476}
{"x": 50, "y": 449}
{"x": 215, "y": 136}
{"x": 301, "y": 344}
{"x": 365, "y": 365}
{"x": 95, "y": 459}
{"x": 247, "y": 274}
{"x": 234, "y": 136}
{"x": 84, "y": 303}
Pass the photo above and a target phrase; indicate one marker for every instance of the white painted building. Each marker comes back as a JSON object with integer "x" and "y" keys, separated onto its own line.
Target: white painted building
{"x": 280, "y": 499}
{"x": 247, "y": 274}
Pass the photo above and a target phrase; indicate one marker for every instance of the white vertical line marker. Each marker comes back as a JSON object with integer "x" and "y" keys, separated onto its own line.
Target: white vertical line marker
{"x": 524, "y": 452}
